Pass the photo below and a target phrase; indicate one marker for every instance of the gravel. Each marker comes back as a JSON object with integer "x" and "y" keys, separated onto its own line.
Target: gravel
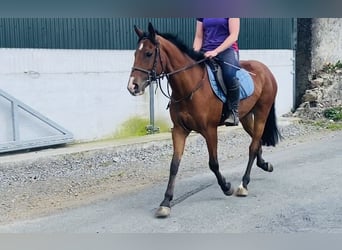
{"x": 43, "y": 185}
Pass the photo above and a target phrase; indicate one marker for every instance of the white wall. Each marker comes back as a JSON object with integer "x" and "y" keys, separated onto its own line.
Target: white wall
{"x": 85, "y": 91}
{"x": 281, "y": 63}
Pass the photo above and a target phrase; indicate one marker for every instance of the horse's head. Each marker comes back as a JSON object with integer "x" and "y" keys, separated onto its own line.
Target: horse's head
{"x": 147, "y": 62}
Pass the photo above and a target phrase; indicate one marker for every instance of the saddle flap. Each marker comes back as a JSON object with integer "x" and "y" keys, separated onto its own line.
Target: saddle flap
{"x": 217, "y": 72}
{"x": 246, "y": 83}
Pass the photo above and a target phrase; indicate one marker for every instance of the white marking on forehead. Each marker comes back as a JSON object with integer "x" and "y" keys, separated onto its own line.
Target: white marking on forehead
{"x": 141, "y": 46}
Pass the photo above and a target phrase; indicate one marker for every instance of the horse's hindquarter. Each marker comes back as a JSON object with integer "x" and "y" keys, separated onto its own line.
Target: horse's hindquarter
{"x": 264, "y": 85}
{"x": 261, "y": 74}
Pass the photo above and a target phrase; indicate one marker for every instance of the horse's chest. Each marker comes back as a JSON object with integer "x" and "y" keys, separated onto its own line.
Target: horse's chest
{"x": 186, "y": 117}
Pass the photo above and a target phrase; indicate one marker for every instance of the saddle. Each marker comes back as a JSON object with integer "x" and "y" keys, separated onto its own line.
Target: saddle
{"x": 217, "y": 83}
{"x": 217, "y": 71}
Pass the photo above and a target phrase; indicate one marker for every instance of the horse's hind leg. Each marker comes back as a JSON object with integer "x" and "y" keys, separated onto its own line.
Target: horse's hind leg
{"x": 247, "y": 123}
{"x": 261, "y": 163}
{"x": 255, "y": 129}
{"x": 211, "y": 139}
{"x": 178, "y": 138}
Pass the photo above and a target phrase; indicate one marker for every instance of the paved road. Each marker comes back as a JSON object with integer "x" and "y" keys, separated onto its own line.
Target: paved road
{"x": 303, "y": 194}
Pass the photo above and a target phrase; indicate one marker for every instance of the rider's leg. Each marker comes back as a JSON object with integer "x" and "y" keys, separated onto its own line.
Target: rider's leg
{"x": 230, "y": 64}
{"x": 233, "y": 99}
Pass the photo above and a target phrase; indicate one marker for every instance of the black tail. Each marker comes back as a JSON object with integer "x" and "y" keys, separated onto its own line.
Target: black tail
{"x": 271, "y": 135}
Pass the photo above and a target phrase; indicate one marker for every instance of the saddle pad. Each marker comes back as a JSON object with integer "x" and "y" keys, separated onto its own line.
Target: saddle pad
{"x": 246, "y": 84}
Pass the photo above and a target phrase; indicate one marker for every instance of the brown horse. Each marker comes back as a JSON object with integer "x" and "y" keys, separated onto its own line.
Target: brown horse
{"x": 194, "y": 106}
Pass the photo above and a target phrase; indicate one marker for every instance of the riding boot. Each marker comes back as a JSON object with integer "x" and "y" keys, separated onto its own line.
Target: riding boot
{"x": 233, "y": 99}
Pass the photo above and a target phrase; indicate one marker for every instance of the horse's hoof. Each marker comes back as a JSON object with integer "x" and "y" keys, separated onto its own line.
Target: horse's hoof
{"x": 269, "y": 167}
{"x": 266, "y": 166}
{"x": 162, "y": 212}
{"x": 229, "y": 192}
{"x": 241, "y": 191}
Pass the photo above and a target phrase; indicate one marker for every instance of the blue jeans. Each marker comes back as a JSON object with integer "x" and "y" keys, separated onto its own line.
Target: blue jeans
{"x": 228, "y": 58}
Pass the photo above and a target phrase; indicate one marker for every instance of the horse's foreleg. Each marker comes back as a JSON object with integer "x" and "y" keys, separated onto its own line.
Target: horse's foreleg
{"x": 178, "y": 138}
{"x": 211, "y": 139}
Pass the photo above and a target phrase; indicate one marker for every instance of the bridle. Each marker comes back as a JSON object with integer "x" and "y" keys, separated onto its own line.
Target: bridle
{"x": 152, "y": 74}
{"x": 154, "y": 77}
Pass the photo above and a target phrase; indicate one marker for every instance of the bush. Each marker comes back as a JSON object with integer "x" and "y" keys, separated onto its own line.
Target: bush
{"x": 330, "y": 68}
{"x": 334, "y": 114}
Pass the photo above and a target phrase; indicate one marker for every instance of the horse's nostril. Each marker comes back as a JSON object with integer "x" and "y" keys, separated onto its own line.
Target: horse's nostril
{"x": 135, "y": 86}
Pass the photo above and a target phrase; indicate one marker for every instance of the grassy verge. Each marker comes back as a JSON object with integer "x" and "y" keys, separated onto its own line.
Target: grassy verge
{"x": 328, "y": 125}
{"x": 334, "y": 115}
{"x": 137, "y": 126}
{"x": 332, "y": 121}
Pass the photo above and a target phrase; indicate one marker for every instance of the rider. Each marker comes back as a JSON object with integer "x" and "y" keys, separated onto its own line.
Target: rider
{"x": 217, "y": 37}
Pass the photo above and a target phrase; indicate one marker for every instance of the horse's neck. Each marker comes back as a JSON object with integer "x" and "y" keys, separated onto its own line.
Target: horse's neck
{"x": 185, "y": 74}
{"x": 176, "y": 61}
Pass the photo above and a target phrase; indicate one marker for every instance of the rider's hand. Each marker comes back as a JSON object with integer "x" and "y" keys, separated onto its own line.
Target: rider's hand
{"x": 210, "y": 54}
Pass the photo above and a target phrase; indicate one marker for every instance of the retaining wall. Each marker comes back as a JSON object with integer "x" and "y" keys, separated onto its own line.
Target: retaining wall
{"x": 85, "y": 91}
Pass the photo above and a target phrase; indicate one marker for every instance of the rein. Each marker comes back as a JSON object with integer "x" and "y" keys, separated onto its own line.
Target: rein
{"x": 186, "y": 67}
{"x": 189, "y": 96}
{"x": 168, "y": 95}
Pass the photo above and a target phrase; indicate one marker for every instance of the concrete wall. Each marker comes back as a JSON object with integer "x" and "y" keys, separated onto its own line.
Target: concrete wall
{"x": 326, "y": 41}
{"x": 318, "y": 43}
{"x": 85, "y": 91}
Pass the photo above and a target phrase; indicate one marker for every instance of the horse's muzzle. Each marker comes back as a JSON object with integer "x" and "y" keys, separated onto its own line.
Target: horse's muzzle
{"x": 134, "y": 88}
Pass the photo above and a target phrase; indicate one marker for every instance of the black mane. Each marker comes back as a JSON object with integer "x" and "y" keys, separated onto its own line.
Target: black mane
{"x": 182, "y": 46}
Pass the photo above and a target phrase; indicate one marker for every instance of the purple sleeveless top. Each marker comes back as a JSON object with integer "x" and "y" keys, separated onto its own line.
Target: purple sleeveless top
{"x": 215, "y": 31}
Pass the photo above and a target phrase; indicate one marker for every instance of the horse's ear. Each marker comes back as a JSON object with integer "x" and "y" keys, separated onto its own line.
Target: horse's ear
{"x": 139, "y": 32}
{"x": 152, "y": 31}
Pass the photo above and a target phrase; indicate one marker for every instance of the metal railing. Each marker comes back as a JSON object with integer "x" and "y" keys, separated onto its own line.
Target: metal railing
{"x": 61, "y": 135}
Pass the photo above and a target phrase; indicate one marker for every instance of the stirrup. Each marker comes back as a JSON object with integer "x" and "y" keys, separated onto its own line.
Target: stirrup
{"x": 232, "y": 120}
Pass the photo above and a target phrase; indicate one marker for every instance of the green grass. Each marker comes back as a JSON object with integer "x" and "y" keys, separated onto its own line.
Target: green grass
{"x": 334, "y": 126}
{"x": 329, "y": 125}
{"x": 136, "y": 126}
{"x": 333, "y": 119}
{"x": 326, "y": 124}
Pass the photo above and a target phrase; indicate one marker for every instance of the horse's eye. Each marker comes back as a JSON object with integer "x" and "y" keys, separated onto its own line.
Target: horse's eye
{"x": 148, "y": 54}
